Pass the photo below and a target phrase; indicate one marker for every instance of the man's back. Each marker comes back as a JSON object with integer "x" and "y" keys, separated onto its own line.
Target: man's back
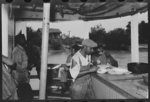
{"x": 20, "y": 57}
{"x": 78, "y": 60}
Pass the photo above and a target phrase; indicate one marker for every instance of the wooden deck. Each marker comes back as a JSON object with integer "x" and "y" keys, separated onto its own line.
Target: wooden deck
{"x": 53, "y": 91}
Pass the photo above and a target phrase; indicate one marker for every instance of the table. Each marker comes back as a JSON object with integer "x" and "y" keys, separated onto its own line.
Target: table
{"x": 115, "y": 87}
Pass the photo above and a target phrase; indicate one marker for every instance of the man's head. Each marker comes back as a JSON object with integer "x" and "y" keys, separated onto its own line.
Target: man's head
{"x": 88, "y": 46}
{"x": 20, "y": 39}
{"x": 75, "y": 48}
{"x": 99, "y": 49}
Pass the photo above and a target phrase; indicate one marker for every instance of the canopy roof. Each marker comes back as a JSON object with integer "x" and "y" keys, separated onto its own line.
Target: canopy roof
{"x": 77, "y": 10}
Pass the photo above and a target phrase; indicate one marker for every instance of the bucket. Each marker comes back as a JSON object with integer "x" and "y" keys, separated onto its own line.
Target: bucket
{"x": 138, "y": 68}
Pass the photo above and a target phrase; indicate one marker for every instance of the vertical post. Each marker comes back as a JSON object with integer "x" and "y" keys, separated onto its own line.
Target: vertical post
{"x": 148, "y": 38}
{"x": 4, "y": 10}
{"x": 45, "y": 36}
{"x": 134, "y": 38}
{"x": 149, "y": 32}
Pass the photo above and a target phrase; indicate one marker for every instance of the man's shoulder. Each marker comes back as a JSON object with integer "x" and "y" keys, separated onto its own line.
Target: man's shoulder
{"x": 76, "y": 55}
{"x": 69, "y": 57}
{"x": 107, "y": 53}
{"x": 16, "y": 49}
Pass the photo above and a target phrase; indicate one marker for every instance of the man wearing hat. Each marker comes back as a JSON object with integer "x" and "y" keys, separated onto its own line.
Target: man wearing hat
{"x": 19, "y": 56}
{"x": 21, "y": 74}
{"x": 80, "y": 71}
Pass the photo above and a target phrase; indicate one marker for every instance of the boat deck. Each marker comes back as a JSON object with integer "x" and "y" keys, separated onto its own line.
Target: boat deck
{"x": 53, "y": 90}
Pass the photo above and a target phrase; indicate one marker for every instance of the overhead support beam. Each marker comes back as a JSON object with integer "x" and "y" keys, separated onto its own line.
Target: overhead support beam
{"x": 44, "y": 54}
{"x": 28, "y": 15}
{"x": 134, "y": 38}
{"x": 61, "y": 1}
{"x": 5, "y": 20}
{"x": 148, "y": 33}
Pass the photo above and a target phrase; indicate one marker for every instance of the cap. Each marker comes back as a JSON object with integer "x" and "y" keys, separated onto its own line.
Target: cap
{"x": 20, "y": 39}
{"x": 89, "y": 43}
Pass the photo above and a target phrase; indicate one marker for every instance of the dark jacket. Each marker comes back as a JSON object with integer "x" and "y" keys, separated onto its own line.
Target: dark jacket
{"x": 104, "y": 59}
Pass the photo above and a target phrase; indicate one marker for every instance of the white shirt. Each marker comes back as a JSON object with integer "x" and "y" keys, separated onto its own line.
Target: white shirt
{"x": 78, "y": 58}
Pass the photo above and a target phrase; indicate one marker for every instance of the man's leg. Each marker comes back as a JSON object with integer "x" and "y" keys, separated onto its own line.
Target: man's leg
{"x": 63, "y": 79}
{"x": 79, "y": 90}
{"x": 90, "y": 90}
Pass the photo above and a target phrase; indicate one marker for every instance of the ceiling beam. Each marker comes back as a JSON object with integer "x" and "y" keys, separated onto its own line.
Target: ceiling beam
{"x": 60, "y": 1}
{"x": 27, "y": 15}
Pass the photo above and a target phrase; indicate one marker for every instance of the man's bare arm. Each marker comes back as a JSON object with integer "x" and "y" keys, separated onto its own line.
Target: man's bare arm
{"x": 88, "y": 71}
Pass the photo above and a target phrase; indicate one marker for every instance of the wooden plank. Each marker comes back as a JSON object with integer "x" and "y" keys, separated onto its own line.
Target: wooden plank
{"x": 60, "y": 1}
{"x": 103, "y": 91}
{"x": 26, "y": 14}
{"x": 124, "y": 77}
{"x": 130, "y": 89}
{"x": 114, "y": 87}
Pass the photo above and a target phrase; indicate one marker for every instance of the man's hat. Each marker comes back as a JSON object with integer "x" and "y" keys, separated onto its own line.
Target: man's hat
{"x": 76, "y": 47}
{"x": 89, "y": 43}
{"x": 20, "y": 38}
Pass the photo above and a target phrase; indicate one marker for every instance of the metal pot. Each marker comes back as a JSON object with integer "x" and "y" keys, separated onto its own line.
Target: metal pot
{"x": 138, "y": 68}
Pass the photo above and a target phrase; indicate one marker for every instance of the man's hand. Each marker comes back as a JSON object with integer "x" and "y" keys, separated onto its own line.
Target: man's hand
{"x": 93, "y": 68}
{"x": 63, "y": 65}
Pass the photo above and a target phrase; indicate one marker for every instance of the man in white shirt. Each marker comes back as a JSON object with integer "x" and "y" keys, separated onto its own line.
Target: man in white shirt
{"x": 80, "y": 71}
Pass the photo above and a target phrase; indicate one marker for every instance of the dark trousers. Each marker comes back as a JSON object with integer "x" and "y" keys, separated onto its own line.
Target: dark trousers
{"x": 25, "y": 91}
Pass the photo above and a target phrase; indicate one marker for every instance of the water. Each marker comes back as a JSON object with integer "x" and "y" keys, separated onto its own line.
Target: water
{"x": 124, "y": 57}
{"x": 57, "y": 57}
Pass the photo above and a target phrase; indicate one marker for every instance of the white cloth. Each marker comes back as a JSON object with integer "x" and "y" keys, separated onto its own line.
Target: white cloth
{"x": 78, "y": 58}
{"x": 59, "y": 72}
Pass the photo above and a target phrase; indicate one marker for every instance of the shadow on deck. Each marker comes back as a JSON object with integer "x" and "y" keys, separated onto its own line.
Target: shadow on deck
{"x": 53, "y": 95}
{"x": 53, "y": 91}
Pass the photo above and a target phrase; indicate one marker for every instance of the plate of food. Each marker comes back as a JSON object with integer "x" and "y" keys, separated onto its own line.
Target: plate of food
{"x": 118, "y": 71}
{"x": 103, "y": 68}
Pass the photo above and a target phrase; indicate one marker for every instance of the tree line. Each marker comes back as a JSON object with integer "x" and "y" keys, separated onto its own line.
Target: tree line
{"x": 34, "y": 37}
{"x": 119, "y": 38}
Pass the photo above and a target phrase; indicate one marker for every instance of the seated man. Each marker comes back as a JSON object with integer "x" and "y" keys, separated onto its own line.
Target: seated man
{"x": 100, "y": 56}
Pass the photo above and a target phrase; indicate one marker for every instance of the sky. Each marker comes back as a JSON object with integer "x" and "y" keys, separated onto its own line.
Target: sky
{"x": 81, "y": 28}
